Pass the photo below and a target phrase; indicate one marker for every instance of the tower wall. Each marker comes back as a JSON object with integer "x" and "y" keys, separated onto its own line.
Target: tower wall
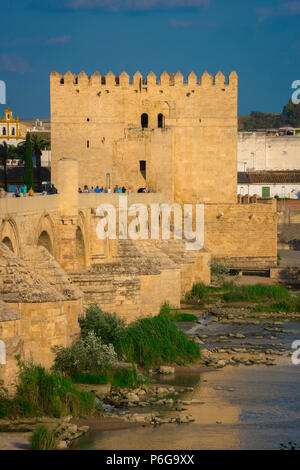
{"x": 192, "y": 158}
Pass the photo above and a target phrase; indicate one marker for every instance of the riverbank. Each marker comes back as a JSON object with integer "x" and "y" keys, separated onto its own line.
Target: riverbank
{"x": 233, "y": 408}
{"x": 238, "y": 346}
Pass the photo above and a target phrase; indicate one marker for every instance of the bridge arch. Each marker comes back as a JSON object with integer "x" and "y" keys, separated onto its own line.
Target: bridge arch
{"x": 9, "y": 235}
{"x": 45, "y": 241}
{"x": 46, "y": 236}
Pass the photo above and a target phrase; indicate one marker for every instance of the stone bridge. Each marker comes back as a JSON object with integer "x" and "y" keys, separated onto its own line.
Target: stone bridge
{"x": 125, "y": 276}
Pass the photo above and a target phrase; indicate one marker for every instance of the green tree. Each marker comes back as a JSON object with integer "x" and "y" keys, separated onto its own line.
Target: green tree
{"x": 28, "y": 167}
{"x": 291, "y": 114}
{"x": 38, "y": 145}
{"x": 7, "y": 152}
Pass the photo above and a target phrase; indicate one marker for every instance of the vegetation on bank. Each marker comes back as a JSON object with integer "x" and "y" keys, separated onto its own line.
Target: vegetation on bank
{"x": 259, "y": 297}
{"x": 43, "y": 393}
{"x": 175, "y": 315}
{"x": 129, "y": 378}
{"x": 156, "y": 340}
{"x": 126, "y": 377}
{"x": 146, "y": 342}
{"x": 201, "y": 293}
{"x": 94, "y": 358}
{"x": 86, "y": 354}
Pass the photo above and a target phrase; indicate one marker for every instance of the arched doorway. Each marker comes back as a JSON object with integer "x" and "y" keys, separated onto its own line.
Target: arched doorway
{"x": 7, "y": 241}
{"x": 45, "y": 241}
{"x": 80, "y": 249}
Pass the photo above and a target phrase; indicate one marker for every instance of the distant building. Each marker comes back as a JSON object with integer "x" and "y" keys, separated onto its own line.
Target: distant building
{"x": 10, "y": 131}
{"x": 284, "y": 184}
{"x": 269, "y": 149}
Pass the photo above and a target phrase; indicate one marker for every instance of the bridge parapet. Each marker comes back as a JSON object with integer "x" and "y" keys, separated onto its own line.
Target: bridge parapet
{"x": 23, "y": 205}
{"x": 93, "y": 200}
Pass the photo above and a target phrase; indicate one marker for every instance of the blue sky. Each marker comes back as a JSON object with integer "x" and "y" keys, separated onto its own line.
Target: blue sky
{"x": 258, "y": 38}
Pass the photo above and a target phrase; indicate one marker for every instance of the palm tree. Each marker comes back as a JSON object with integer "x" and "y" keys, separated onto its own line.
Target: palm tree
{"x": 38, "y": 145}
{"x": 7, "y": 152}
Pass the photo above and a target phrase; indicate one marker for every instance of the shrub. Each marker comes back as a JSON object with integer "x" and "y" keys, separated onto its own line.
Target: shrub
{"x": 87, "y": 354}
{"x": 218, "y": 269}
{"x": 40, "y": 393}
{"x": 105, "y": 326}
{"x": 43, "y": 439}
{"x": 175, "y": 314}
{"x": 156, "y": 340}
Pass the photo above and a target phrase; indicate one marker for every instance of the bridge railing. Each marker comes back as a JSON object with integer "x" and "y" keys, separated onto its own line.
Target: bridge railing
{"x": 29, "y": 204}
{"x": 39, "y": 203}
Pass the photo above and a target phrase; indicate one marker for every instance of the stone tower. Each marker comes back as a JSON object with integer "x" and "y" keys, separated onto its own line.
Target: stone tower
{"x": 180, "y": 138}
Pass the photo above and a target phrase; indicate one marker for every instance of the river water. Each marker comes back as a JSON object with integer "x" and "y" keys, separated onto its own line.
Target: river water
{"x": 241, "y": 407}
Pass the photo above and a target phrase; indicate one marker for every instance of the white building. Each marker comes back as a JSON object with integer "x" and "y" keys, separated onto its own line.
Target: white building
{"x": 269, "y": 150}
{"x": 284, "y": 184}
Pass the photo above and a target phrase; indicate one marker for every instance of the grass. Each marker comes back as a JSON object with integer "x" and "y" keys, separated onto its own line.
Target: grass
{"x": 128, "y": 378}
{"x": 256, "y": 292}
{"x": 118, "y": 378}
{"x": 266, "y": 298}
{"x": 94, "y": 379}
{"x": 154, "y": 341}
{"x": 43, "y": 439}
{"x": 43, "y": 393}
{"x": 175, "y": 314}
{"x": 202, "y": 292}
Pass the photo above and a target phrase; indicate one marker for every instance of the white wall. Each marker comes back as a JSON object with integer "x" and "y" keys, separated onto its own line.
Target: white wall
{"x": 260, "y": 152}
{"x": 46, "y": 158}
{"x": 289, "y": 190}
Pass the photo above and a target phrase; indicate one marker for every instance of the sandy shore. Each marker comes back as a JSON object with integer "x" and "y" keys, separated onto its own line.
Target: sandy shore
{"x": 14, "y": 441}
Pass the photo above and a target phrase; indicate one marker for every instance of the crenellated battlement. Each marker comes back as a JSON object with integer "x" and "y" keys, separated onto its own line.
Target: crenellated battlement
{"x": 138, "y": 82}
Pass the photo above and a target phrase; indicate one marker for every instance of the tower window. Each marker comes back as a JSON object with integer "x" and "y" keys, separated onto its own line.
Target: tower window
{"x": 62, "y": 81}
{"x": 87, "y": 144}
{"x": 4, "y": 131}
{"x": 160, "y": 120}
{"x": 143, "y": 168}
{"x": 13, "y": 131}
{"x": 144, "y": 120}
